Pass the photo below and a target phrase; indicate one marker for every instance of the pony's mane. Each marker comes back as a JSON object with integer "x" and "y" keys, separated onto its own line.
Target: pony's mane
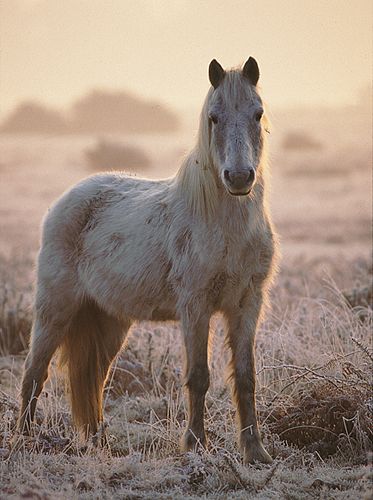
{"x": 197, "y": 179}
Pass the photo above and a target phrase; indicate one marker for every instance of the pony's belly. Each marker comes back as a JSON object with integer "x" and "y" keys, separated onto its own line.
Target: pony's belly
{"x": 160, "y": 313}
{"x": 149, "y": 308}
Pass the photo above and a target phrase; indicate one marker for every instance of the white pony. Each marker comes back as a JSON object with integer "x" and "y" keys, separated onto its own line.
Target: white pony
{"x": 117, "y": 249}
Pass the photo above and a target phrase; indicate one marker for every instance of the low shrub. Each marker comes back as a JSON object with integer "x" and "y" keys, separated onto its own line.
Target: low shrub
{"x": 109, "y": 155}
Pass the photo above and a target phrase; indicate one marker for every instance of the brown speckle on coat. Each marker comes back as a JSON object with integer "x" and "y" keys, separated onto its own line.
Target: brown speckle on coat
{"x": 114, "y": 242}
{"x": 182, "y": 240}
{"x": 216, "y": 286}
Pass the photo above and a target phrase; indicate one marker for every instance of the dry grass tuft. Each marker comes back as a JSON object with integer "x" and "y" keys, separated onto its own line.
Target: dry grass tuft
{"x": 327, "y": 419}
{"x": 15, "y": 310}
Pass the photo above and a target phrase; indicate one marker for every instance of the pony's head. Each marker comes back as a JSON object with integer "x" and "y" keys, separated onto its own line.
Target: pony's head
{"x": 233, "y": 125}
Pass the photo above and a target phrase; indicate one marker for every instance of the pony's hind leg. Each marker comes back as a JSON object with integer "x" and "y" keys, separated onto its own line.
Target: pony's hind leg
{"x": 45, "y": 339}
{"x": 196, "y": 379}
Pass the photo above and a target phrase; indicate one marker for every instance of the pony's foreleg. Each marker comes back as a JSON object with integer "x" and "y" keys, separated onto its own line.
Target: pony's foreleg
{"x": 242, "y": 324}
{"x": 197, "y": 379}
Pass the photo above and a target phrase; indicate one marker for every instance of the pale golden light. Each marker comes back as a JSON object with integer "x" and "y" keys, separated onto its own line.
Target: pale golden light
{"x": 309, "y": 53}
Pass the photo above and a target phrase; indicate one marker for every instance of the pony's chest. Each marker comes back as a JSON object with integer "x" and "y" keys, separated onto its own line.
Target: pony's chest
{"x": 241, "y": 263}
{"x": 213, "y": 266}
{"x": 230, "y": 271}
{"x": 238, "y": 257}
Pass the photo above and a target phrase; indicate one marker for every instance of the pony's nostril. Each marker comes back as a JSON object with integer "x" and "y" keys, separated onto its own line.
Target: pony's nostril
{"x": 251, "y": 176}
{"x": 227, "y": 176}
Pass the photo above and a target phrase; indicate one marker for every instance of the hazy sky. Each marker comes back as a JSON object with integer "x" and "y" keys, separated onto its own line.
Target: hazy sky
{"x": 309, "y": 51}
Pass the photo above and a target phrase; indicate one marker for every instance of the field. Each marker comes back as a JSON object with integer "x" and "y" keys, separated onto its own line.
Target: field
{"x": 314, "y": 350}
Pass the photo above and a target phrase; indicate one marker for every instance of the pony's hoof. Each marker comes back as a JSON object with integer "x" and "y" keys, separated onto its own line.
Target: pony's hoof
{"x": 256, "y": 453}
{"x": 192, "y": 442}
{"x": 100, "y": 438}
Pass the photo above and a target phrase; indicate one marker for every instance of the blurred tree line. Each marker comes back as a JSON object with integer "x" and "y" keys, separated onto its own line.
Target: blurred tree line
{"x": 99, "y": 111}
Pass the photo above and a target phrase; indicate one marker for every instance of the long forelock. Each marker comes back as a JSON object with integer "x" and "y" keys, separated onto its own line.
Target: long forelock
{"x": 235, "y": 88}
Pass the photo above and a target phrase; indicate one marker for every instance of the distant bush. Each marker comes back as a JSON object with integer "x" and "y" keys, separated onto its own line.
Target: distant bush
{"x": 34, "y": 118}
{"x": 111, "y": 155}
{"x": 299, "y": 140}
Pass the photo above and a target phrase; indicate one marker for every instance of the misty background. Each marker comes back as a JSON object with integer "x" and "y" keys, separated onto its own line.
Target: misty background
{"x": 99, "y": 85}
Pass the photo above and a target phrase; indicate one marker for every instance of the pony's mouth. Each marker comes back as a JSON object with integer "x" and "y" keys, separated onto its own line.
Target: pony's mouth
{"x": 246, "y": 193}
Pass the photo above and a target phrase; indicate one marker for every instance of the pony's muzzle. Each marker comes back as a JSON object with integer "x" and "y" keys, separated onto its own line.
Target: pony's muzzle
{"x": 240, "y": 182}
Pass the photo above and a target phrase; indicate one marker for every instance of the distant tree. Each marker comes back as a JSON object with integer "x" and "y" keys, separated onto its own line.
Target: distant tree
{"x": 33, "y": 117}
{"x": 105, "y": 111}
{"x": 300, "y": 140}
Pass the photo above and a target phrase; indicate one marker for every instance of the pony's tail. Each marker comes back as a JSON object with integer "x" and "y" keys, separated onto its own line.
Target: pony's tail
{"x": 87, "y": 352}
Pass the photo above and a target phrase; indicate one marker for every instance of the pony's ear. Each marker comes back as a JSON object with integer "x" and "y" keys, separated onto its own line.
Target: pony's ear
{"x": 251, "y": 71}
{"x": 216, "y": 73}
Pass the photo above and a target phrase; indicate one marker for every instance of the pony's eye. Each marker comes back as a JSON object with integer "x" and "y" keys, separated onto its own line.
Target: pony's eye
{"x": 259, "y": 115}
{"x": 213, "y": 118}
